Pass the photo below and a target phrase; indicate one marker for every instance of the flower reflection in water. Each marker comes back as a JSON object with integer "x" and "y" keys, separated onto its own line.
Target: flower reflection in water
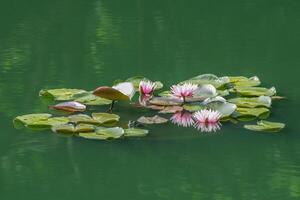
{"x": 144, "y": 99}
{"x": 183, "y": 118}
{"x": 208, "y": 127}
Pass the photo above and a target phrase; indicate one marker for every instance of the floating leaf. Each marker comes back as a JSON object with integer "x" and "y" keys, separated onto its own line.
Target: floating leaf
{"x": 266, "y": 126}
{"x": 40, "y": 121}
{"x": 244, "y": 81}
{"x": 248, "y": 114}
{"x": 106, "y": 118}
{"x": 104, "y": 133}
{"x": 135, "y": 132}
{"x": 152, "y": 120}
{"x": 61, "y": 94}
{"x": 70, "y": 106}
{"x": 262, "y": 101}
{"x": 31, "y": 118}
{"x": 81, "y": 118}
{"x": 122, "y": 91}
{"x": 71, "y": 128}
{"x": 212, "y": 79}
{"x": 225, "y": 108}
{"x": 88, "y": 98}
{"x": 171, "y": 109}
{"x": 255, "y": 91}
{"x": 192, "y": 107}
{"x": 165, "y": 101}
{"x": 137, "y": 79}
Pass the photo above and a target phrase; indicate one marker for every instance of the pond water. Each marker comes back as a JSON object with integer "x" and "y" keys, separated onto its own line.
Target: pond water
{"x": 85, "y": 44}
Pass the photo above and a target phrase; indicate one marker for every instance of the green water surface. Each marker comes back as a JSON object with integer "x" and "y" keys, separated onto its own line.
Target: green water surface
{"x": 88, "y": 43}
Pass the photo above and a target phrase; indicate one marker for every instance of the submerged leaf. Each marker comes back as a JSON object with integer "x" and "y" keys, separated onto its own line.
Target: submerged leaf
{"x": 63, "y": 94}
{"x": 255, "y": 91}
{"x": 152, "y": 120}
{"x": 262, "y": 101}
{"x": 266, "y": 126}
{"x": 135, "y": 132}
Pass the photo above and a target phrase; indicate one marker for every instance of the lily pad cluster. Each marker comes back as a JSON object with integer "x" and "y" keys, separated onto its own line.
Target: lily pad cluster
{"x": 202, "y": 102}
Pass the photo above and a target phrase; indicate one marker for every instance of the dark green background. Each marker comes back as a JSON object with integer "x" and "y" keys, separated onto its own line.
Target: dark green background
{"x": 88, "y": 43}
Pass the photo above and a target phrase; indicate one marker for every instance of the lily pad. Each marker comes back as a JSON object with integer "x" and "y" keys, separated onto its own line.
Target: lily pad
{"x": 122, "y": 91}
{"x": 152, "y": 120}
{"x": 31, "y": 118}
{"x": 255, "y": 91}
{"x": 165, "y": 101}
{"x": 171, "y": 109}
{"x": 83, "y": 119}
{"x": 106, "y": 118}
{"x": 212, "y": 79}
{"x": 104, "y": 133}
{"x": 41, "y": 121}
{"x": 62, "y": 94}
{"x": 88, "y": 98}
{"x": 71, "y": 128}
{"x": 266, "y": 126}
{"x": 70, "y": 106}
{"x": 193, "y": 107}
{"x": 135, "y": 80}
{"x": 248, "y": 114}
{"x": 135, "y": 132}
{"x": 224, "y": 108}
{"x": 254, "y": 102}
{"x": 244, "y": 81}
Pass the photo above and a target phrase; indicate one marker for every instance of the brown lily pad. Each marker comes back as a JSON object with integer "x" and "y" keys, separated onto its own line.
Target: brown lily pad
{"x": 152, "y": 120}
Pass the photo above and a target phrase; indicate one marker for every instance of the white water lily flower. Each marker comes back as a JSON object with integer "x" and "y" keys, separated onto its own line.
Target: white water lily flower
{"x": 183, "y": 91}
{"x": 147, "y": 87}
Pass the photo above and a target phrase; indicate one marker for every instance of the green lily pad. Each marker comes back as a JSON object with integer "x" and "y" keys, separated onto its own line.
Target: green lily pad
{"x": 244, "y": 81}
{"x": 165, "y": 101}
{"x": 106, "y": 118}
{"x": 104, "y": 133}
{"x": 193, "y": 107}
{"x": 71, "y": 128}
{"x": 135, "y": 80}
{"x": 83, "y": 119}
{"x": 248, "y": 114}
{"x": 31, "y": 118}
{"x": 212, "y": 79}
{"x": 255, "y": 91}
{"x": 88, "y": 98}
{"x": 62, "y": 94}
{"x": 152, "y": 120}
{"x": 254, "y": 102}
{"x": 40, "y": 121}
{"x": 266, "y": 126}
{"x": 135, "y": 132}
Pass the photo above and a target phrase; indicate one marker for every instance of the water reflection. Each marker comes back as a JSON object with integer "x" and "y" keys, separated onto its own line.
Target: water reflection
{"x": 208, "y": 127}
{"x": 183, "y": 118}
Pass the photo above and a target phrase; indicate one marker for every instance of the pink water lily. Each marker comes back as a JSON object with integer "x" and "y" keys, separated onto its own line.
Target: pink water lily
{"x": 208, "y": 127}
{"x": 146, "y": 87}
{"x": 183, "y": 91}
{"x": 183, "y": 118}
{"x": 207, "y": 116}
